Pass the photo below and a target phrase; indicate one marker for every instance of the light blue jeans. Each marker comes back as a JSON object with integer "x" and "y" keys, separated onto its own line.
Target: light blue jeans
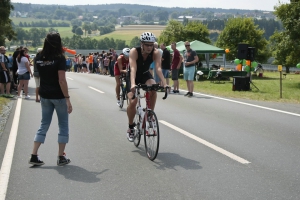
{"x": 48, "y": 107}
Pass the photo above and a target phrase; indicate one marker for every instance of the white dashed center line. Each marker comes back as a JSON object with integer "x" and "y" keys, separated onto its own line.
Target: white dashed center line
{"x": 208, "y": 144}
{"x": 96, "y": 89}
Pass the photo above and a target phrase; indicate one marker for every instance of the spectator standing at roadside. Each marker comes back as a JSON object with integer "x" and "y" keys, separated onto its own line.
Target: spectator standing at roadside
{"x": 152, "y": 66}
{"x": 91, "y": 60}
{"x": 112, "y": 62}
{"x": 176, "y": 63}
{"x": 4, "y": 74}
{"x": 51, "y": 64}
{"x": 15, "y": 67}
{"x": 84, "y": 64}
{"x": 165, "y": 62}
{"x": 68, "y": 63}
{"x": 95, "y": 63}
{"x": 190, "y": 60}
{"x": 79, "y": 67}
{"x": 106, "y": 62}
{"x": 75, "y": 61}
{"x": 36, "y": 77}
{"x": 10, "y": 68}
{"x": 100, "y": 59}
{"x": 10, "y": 59}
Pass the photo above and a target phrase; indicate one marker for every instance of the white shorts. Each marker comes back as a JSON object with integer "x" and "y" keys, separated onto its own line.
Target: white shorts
{"x": 37, "y": 81}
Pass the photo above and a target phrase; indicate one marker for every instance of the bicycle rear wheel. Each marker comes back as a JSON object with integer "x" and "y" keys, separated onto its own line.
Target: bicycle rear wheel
{"x": 151, "y": 135}
{"x": 122, "y": 95}
{"x": 137, "y": 134}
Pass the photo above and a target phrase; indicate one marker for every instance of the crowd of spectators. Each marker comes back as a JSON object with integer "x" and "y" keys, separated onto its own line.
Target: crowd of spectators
{"x": 94, "y": 63}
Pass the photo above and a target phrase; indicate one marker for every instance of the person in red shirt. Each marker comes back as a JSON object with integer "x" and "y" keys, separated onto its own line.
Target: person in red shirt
{"x": 176, "y": 63}
{"x": 120, "y": 68}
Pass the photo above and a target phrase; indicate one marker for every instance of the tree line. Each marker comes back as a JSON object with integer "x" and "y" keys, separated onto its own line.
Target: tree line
{"x": 44, "y": 24}
{"x": 77, "y": 42}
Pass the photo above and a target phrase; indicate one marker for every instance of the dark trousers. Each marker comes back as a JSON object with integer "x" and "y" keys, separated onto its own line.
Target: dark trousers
{"x": 75, "y": 67}
{"x": 111, "y": 68}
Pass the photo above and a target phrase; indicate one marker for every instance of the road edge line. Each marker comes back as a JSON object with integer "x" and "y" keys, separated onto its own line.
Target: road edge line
{"x": 9, "y": 152}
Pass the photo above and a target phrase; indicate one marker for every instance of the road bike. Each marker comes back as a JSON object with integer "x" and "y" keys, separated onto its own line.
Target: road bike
{"x": 123, "y": 91}
{"x": 146, "y": 121}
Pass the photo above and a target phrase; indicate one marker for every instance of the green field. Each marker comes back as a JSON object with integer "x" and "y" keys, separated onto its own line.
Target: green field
{"x": 129, "y": 34}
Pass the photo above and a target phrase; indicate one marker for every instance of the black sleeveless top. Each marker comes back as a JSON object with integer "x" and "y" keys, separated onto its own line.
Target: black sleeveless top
{"x": 143, "y": 65}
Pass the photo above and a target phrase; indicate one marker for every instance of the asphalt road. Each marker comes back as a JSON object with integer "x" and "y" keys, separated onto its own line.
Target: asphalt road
{"x": 211, "y": 148}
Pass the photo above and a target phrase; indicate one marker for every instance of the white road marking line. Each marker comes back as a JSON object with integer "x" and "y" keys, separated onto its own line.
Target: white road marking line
{"x": 208, "y": 144}
{"x": 9, "y": 152}
{"x": 249, "y": 104}
{"x": 96, "y": 89}
{"x": 70, "y": 78}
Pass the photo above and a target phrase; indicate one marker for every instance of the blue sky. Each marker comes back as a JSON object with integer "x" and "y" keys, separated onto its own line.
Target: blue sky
{"x": 267, "y": 5}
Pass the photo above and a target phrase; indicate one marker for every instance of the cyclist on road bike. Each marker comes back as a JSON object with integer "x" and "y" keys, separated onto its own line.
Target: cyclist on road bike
{"x": 120, "y": 68}
{"x": 140, "y": 59}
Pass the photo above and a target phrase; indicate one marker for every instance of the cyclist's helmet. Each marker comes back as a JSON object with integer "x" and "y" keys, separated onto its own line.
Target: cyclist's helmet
{"x": 148, "y": 37}
{"x": 126, "y": 52}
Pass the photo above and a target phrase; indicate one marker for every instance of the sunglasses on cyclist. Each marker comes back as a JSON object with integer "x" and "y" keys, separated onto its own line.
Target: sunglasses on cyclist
{"x": 148, "y": 45}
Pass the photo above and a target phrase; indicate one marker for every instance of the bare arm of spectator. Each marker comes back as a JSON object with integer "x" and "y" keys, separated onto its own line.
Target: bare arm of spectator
{"x": 180, "y": 61}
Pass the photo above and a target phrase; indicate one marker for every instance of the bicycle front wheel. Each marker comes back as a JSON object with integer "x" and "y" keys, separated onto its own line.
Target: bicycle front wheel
{"x": 151, "y": 135}
{"x": 122, "y": 95}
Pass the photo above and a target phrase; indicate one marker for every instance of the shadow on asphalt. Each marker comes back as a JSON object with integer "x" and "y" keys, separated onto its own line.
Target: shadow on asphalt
{"x": 75, "y": 173}
{"x": 171, "y": 161}
{"x": 195, "y": 96}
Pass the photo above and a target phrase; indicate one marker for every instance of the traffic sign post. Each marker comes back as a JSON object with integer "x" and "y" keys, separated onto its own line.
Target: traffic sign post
{"x": 280, "y": 71}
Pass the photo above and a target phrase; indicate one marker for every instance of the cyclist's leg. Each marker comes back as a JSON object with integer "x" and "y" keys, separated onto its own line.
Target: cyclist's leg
{"x": 131, "y": 108}
{"x": 118, "y": 81}
{"x": 148, "y": 80}
{"x": 118, "y": 84}
{"x": 131, "y": 111}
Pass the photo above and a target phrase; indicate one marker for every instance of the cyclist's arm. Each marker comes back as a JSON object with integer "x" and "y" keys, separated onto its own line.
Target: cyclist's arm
{"x": 157, "y": 60}
{"x": 133, "y": 55}
{"x": 120, "y": 65}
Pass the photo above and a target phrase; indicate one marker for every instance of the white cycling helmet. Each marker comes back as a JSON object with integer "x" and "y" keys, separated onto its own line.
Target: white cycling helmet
{"x": 148, "y": 37}
{"x": 126, "y": 52}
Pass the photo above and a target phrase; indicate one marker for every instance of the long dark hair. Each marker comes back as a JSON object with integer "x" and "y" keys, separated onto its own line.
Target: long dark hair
{"x": 52, "y": 46}
{"x": 21, "y": 54}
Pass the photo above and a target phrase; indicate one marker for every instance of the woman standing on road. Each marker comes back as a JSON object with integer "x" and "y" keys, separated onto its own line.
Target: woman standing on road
{"x": 51, "y": 64}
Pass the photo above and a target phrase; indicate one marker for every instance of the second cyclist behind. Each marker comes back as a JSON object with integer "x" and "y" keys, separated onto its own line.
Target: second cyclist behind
{"x": 120, "y": 68}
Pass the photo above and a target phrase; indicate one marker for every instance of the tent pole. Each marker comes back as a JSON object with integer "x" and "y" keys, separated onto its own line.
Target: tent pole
{"x": 224, "y": 60}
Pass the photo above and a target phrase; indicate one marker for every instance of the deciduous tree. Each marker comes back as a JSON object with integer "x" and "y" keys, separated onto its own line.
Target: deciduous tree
{"x": 286, "y": 44}
{"x": 6, "y": 30}
{"x": 243, "y": 30}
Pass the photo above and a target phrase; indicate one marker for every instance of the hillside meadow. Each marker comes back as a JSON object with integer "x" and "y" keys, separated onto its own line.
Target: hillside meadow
{"x": 126, "y": 33}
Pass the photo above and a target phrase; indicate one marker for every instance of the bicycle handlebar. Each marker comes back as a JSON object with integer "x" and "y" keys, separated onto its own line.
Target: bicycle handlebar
{"x": 153, "y": 87}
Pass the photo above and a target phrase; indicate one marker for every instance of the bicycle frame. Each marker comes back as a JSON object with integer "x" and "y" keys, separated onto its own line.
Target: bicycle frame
{"x": 147, "y": 95}
{"x": 148, "y": 102}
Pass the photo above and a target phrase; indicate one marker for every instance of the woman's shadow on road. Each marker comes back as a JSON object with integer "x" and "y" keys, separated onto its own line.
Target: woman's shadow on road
{"x": 76, "y": 173}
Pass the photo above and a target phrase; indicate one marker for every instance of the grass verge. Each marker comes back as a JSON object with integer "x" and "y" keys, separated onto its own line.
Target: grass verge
{"x": 3, "y": 101}
{"x": 269, "y": 88}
